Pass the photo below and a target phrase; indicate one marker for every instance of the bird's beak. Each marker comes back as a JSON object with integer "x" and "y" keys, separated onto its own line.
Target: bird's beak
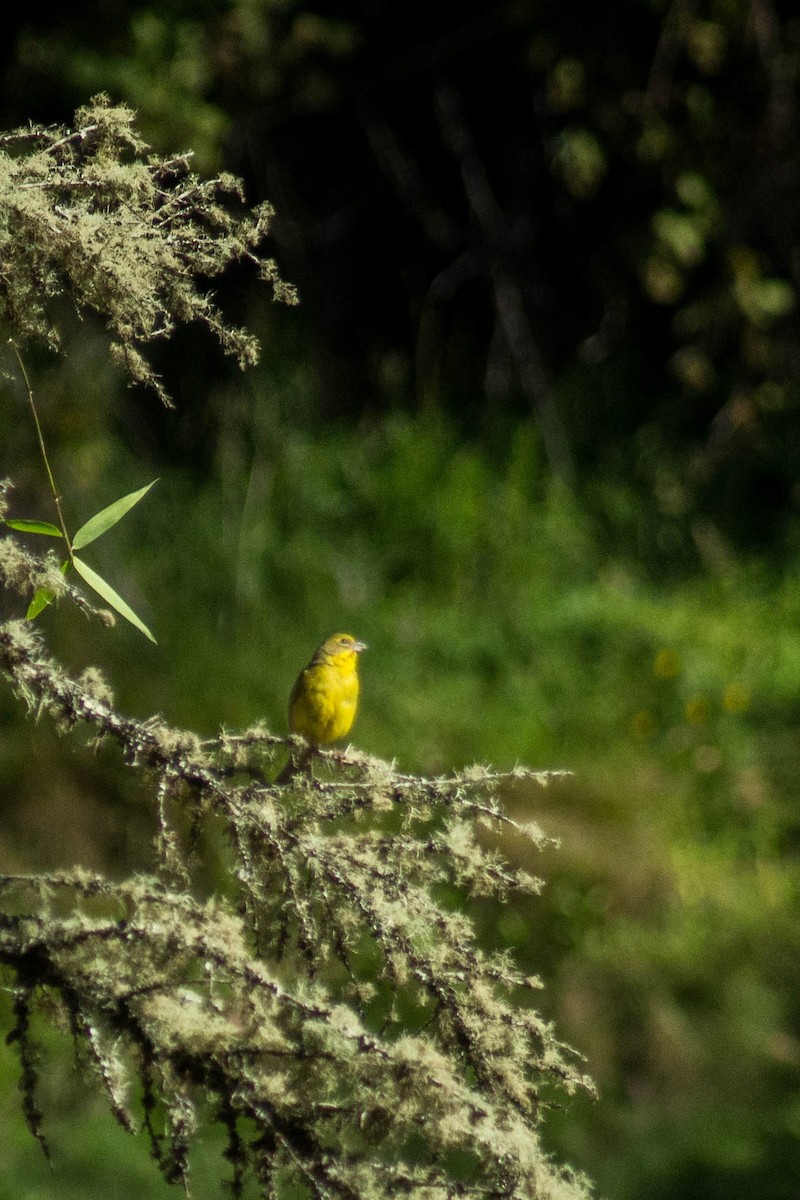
{"x": 359, "y": 646}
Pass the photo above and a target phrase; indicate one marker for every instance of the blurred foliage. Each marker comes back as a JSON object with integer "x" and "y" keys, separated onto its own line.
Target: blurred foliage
{"x": 503, "y": 211}
{"x": 630, "y": 183}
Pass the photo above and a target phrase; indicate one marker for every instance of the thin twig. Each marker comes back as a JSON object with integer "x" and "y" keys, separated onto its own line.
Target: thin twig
{"x": 42, "y": 447}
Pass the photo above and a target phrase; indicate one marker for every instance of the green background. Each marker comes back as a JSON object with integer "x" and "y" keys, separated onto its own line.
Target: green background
{"x": 532, "y": 434}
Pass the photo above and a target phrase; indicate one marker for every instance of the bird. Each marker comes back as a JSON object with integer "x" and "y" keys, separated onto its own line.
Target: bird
{"x": 324, "y": 699}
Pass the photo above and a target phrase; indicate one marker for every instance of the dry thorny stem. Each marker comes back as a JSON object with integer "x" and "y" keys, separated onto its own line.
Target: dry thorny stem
{"x": 328, "y": 1003}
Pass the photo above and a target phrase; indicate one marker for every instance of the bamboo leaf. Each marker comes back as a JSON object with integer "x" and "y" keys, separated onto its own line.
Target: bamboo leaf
{"x": 43, "y": 596}
{"x": 111, "y": 597}
{"x": 35, "y": 527}
{"x": 101, "y": 522}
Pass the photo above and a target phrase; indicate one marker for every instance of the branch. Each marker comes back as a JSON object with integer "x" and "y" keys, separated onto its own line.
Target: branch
{"x": 329, "y": 997}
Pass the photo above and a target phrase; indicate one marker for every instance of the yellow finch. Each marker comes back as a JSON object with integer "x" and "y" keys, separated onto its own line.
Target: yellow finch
{"x": 324, "y": 699}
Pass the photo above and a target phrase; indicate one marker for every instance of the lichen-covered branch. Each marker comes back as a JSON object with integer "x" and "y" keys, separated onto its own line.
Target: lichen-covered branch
{"x": 131, "y": 237}
{"x": 333, "y": 999}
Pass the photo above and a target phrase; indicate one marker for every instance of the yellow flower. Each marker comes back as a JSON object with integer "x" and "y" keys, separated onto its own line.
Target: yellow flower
{"x": 736, "y": 698}
{"x": 666, "y": 664}
{"x": 324, "y": 699}
{"x": 697, "y": 710}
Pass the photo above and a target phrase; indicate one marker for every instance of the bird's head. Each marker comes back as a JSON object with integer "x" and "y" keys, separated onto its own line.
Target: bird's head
{"x": 342, "y": 649}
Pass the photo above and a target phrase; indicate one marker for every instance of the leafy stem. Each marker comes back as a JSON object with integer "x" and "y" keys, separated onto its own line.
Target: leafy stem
{"x": 89, "y": 532}
{"x": 42, "y": 447}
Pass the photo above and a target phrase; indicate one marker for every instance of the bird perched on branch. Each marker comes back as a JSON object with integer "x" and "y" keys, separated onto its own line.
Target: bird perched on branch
{"x": 324, "y": 699}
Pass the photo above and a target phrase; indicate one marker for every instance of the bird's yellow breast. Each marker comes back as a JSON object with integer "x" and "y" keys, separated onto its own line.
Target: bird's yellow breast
{"x": 324, "y": 699}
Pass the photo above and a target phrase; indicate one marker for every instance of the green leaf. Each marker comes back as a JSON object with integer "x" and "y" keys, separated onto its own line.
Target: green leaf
{"x": 35, "y": 527}
{"x": 108, "y": 594}
{"x": 43, "y": 596}
{"x": 101, "y": 522}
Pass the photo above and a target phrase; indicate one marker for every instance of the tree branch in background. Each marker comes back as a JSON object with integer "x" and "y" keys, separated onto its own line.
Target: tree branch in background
{"x": 509, "y": 302}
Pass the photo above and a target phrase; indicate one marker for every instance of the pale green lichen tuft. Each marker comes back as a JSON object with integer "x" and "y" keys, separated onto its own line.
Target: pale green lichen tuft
{"x": 133, "y": 238}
